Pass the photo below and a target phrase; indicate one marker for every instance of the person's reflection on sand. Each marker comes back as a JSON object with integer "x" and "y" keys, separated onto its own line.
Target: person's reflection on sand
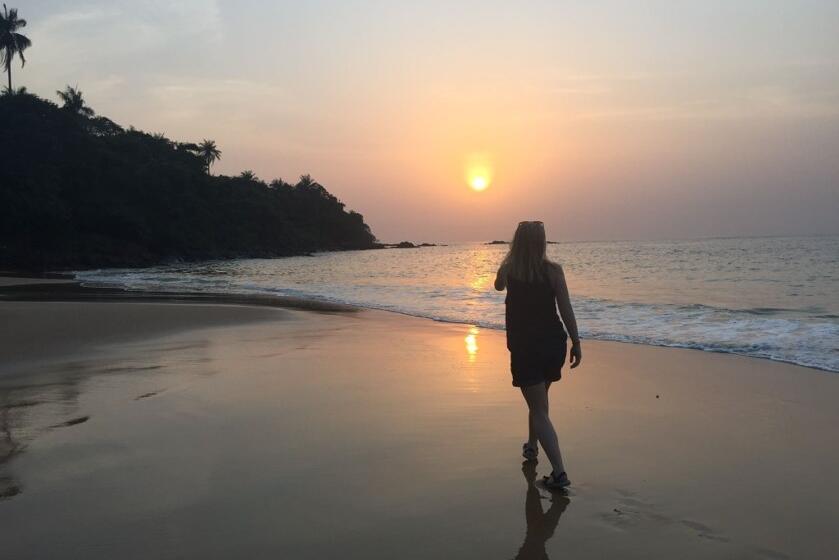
{"x": 9, "y": 447}
{"x": 540, "y": 524}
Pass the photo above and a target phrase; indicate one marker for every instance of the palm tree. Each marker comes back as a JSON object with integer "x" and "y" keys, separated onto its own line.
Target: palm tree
{"x": 248, "y": 175}
{"x": 279, "y": 184}
{"x": 16, "y": 91}
{"x": 306, "y": 181}
{"x": 208, "y": 151}
{"x": 11, "y": 42}
{"x": 74, "y": 102}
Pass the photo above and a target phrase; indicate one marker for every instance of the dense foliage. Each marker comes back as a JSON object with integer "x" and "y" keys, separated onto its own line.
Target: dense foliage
{"x": 78, "y": 190}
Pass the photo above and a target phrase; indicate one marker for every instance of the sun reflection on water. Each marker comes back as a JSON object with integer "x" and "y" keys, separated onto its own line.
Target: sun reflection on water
{"x": 480, "y": 282}
{"x": 471, "y": 340}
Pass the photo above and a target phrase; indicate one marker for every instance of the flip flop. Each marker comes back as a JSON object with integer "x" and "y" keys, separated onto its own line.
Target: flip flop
{"x": 556, "y": 482}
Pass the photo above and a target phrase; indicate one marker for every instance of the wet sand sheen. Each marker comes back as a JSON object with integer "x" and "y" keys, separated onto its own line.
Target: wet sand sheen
{"x": 282, "y": 433}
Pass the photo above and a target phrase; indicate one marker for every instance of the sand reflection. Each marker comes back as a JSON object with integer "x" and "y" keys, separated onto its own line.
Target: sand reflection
{"x": 541, "y": 524}
{"x": 27, "y": 412}
{"x": 471, "y": 341}
{"x": 9, "y": 447}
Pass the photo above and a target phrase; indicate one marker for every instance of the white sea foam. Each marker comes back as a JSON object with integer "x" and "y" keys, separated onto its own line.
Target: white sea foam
{"x": 767, "y": 298}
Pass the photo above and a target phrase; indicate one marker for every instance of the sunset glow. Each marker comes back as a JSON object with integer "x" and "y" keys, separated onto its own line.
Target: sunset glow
{"x": 474, "y": 133}
{"x": 478, "y": 183}
{"x": 471, "y": 341}
{"x": 478, "y": 171}
{"x": 348, "y": 246}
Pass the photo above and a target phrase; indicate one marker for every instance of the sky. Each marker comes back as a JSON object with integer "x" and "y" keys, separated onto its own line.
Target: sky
{"x": 605, "y": 119}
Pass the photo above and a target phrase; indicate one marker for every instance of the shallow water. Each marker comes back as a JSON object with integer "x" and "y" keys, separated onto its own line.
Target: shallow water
{"x": 775, "y": 298}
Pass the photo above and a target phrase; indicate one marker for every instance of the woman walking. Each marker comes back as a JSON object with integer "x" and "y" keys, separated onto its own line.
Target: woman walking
{"x": 536, "y": 338}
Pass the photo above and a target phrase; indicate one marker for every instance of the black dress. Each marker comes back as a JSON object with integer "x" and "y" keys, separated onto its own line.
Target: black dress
{"x": 536, "y": 337}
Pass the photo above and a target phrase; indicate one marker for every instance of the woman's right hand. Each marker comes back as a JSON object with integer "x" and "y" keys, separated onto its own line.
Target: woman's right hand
{"x": 576, "y": 354}
{"x": 501, "y": 278}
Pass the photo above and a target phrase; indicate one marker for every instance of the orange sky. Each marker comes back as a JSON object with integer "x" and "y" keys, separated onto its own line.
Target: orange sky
{"x": 604, "y": 119}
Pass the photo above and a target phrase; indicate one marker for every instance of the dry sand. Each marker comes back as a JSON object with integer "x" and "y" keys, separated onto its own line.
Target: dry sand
{"x": 153, "y": 430}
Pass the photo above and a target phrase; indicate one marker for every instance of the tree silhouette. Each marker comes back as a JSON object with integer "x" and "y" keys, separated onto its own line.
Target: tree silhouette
{"x": 79, "y": 192}
{"x": 74, "y": 102}
{"x": 248, "y": 175}
{"x": 279, "y": 184}
{"x": 209, "y": 152}
{"x": 15, "y": 91}
{"x": 306, "y": 181}
{"x": 11, "y": 42}
{"x": 103, "y": 126}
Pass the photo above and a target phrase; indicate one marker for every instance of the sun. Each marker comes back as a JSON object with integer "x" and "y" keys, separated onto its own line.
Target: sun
{"x": 478, "y": 182}
{"x": 478, "y": 171}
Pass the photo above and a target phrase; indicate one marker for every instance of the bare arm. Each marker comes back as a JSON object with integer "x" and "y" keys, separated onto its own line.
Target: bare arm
{"x": 501, "y": 278}
{"x": 563, "y": 301}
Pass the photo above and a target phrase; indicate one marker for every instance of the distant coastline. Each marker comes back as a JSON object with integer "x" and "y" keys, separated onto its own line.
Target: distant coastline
{"x": 406, "y": 245}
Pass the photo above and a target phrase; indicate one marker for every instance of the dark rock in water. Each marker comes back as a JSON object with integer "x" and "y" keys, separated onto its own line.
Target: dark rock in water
{"x": 404, "y": 245}
{"x": 499, "y": 242}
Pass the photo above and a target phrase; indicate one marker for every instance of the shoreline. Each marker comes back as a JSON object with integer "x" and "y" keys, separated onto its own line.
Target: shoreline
{"x": 33, "y": 289}
{"x": 61, "y": 306}
{"x": 58, "y": 287}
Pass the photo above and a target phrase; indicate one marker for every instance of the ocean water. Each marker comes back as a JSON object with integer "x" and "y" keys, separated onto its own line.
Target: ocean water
{"x": 775, "y": 298}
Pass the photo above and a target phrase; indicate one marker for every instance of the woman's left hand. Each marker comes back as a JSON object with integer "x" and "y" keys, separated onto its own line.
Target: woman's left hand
{"x": 576, "y": 355}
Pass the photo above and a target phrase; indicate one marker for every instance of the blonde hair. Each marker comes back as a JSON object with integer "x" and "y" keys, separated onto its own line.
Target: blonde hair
{"x": 527, "y": 256}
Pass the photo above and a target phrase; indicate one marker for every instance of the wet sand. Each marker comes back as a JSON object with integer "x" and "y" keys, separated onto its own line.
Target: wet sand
{"x": 219, "y": 431}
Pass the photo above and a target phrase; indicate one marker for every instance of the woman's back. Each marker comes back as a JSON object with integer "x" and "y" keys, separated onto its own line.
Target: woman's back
{"x": 531, "y": 306}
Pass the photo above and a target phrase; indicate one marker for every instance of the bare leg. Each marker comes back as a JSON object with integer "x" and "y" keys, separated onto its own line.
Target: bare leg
{"x": 531, "y": 431}
{"x": 537, "y": 401}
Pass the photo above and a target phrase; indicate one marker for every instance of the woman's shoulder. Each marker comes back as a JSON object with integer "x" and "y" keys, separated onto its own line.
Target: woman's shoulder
{"x": 553, "y": 267}
{"x": 553, "y": 270}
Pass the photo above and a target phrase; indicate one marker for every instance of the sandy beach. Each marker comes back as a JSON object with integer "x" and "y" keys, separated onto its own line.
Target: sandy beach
{"x": 154, "y": 429}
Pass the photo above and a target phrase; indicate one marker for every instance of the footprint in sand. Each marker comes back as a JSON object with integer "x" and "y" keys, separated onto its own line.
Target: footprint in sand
{"x": 22, "y": 404}
{"x": 703, "y": 531}
{"x": 117, "y": 369}
{"x": 633, "y": 512}
{"x": 8, "y": 488}
{"x": 71, "y": 422}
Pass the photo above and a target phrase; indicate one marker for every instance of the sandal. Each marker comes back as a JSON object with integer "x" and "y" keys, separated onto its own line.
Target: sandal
{"x": 529, "y": 452}
{"x": 556, "y": 482}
